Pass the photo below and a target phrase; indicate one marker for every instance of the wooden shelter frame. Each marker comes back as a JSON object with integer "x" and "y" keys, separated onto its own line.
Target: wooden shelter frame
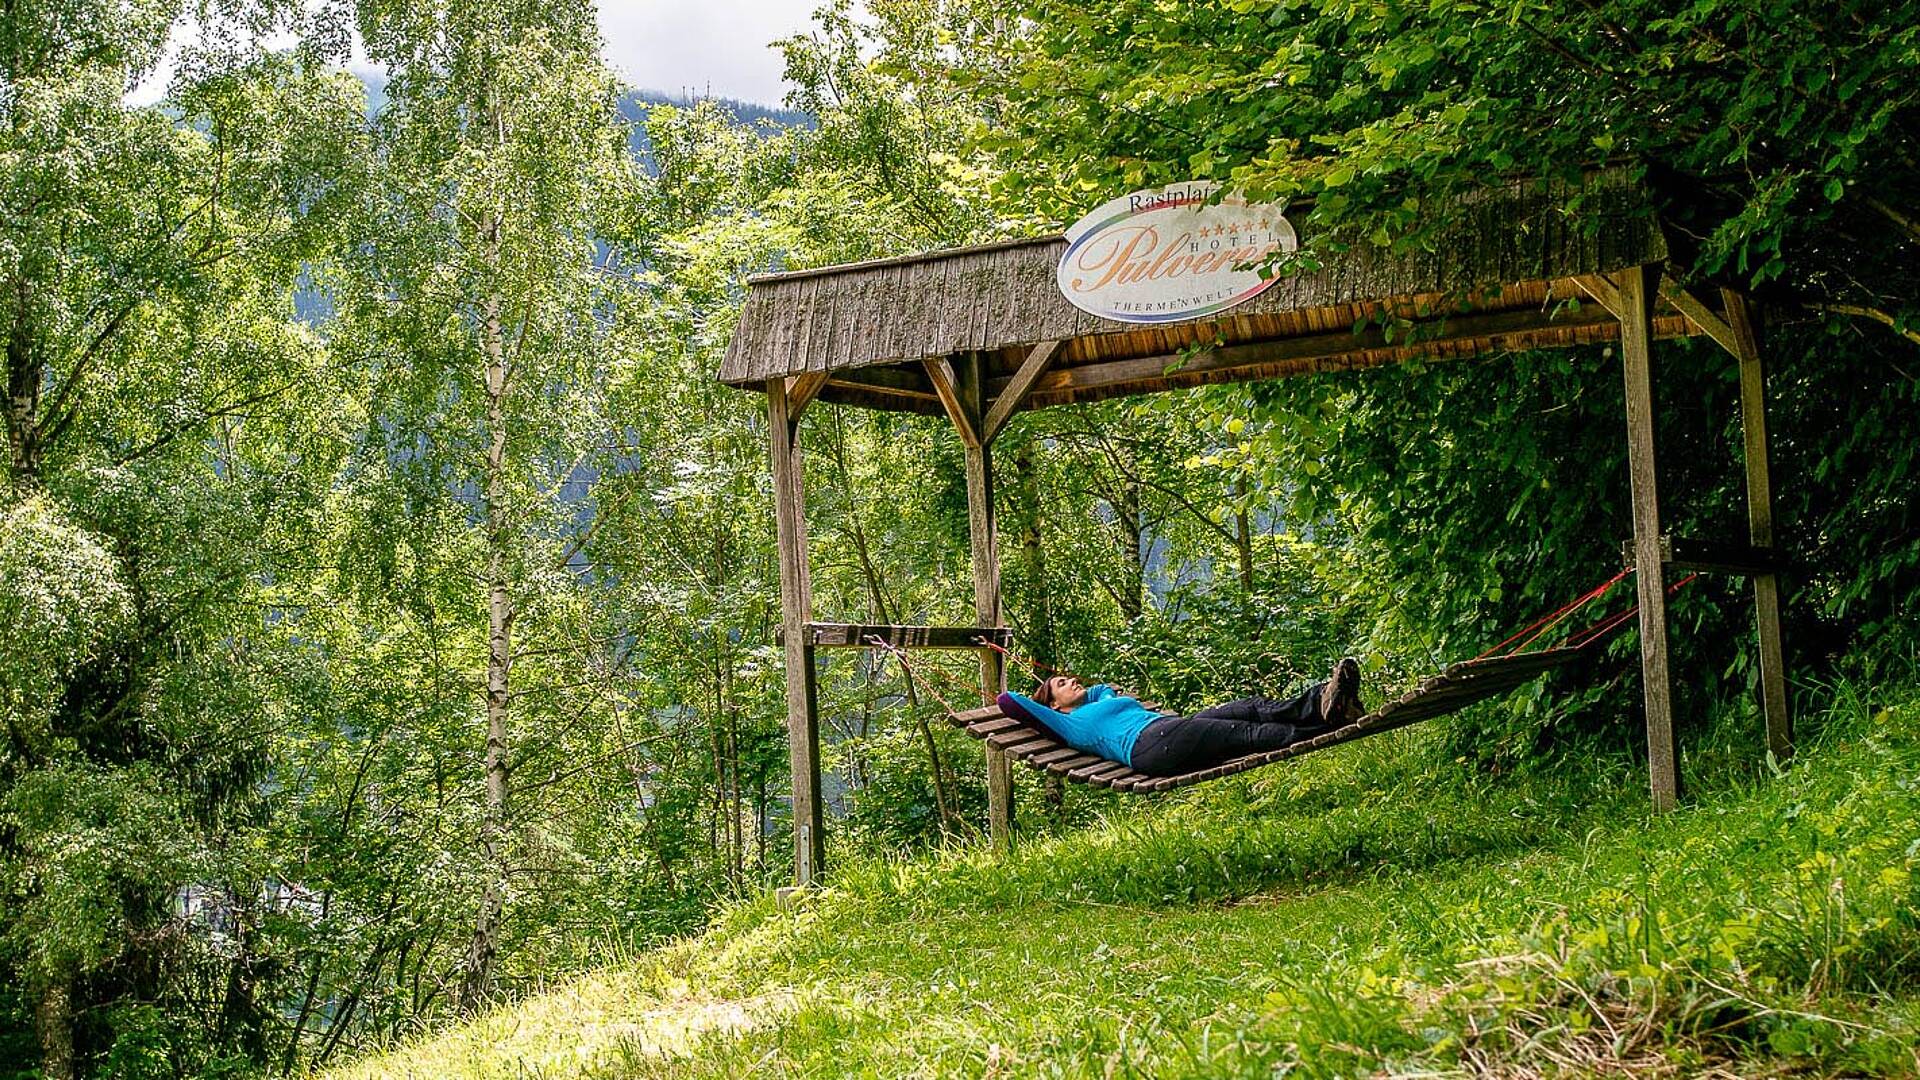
{"x": 979, "y": 334}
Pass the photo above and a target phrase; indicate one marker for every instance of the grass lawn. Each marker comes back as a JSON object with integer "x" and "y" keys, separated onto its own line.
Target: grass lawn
{"x": 1370, "y": 910}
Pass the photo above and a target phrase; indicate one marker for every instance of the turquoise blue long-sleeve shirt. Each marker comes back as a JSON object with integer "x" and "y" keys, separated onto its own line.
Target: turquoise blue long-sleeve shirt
{"x": 1107, "y": 723}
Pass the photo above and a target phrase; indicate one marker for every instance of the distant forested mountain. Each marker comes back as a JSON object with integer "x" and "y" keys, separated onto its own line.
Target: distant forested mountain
{"x": 635, "y": 103}
{"x": 634, "y": 106}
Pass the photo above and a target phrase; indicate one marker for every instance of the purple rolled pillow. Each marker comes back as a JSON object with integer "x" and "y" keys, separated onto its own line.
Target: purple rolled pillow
{"x": 1024, "y": 708}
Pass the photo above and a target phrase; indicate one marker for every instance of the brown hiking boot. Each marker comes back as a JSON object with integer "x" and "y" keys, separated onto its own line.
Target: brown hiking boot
{"x": 1340, "y": 696}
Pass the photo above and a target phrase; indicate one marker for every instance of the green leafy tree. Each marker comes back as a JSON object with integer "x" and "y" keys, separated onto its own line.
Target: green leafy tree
{"x": 147, "y": 265}
{"x": 1781, "y": 137}
{"x": 476, "y": 299}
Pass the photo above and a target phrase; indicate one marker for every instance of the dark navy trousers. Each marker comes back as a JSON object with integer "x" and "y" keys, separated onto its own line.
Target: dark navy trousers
{"x": 1183, "y": 744}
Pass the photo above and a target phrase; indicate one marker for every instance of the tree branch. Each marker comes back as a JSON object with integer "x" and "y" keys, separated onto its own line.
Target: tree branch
{"x": 1862, "y": 312}
{"x": 56, "y": 410}
{"x": 175, "y": 432}
{"x": 1907, "y": 224}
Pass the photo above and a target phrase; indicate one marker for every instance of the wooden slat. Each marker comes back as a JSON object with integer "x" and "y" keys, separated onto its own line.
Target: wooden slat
{"x": 1082, "y": 774}
{"x": 985, "y": 713}
{"x": 1032, "y": 744}
{"x": 1493, "y": 665}
{"x": 1464, "y": 693}
{"x": 1066, "y": 766}
{"x": 994, "y": 727}
{"x": 1001, "y": 740}
{"x": 1454, "y": 686}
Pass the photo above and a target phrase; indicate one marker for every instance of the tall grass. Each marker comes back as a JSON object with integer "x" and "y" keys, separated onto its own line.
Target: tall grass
{"x": 1372, "y": 910}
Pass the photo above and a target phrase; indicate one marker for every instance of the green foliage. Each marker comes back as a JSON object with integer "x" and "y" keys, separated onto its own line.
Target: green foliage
{"x": 1480, "y": 495}
{"x": 86, "y": 837}
{"x": 1780, "y": 137}
{"x": 252, "y": 337}
{"x": 63, "y": 600}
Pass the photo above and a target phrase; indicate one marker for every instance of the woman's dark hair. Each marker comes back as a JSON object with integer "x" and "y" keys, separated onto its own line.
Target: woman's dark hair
{"x": 1043, "y": 693}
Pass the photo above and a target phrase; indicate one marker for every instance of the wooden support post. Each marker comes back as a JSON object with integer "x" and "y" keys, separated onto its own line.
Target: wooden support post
{"x": 1638, "y": 287}
{"x": 970, "y": 392}
{"x": 796, "y": 611}
{"x": 1758, "y": 457}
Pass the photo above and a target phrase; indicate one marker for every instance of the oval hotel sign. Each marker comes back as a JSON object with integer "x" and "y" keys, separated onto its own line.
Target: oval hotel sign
{"x": 1165, "y": 255}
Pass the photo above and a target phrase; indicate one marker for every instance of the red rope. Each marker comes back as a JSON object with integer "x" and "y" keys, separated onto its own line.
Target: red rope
{"x": 1612, "y": 622}
{"x": 1554, "y": 618}
{"x": 1034, "y": 667}
{"x": 901, "y": 656}
{"x": 1530, "y": 633}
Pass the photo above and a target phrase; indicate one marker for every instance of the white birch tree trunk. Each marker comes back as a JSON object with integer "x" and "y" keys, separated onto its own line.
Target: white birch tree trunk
{"x": 477, "y": 980}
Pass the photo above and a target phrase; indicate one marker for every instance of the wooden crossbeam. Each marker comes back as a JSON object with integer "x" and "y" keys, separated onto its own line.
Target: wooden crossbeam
{"x": 823, "y": 635}
{"x": 903, "y": 381}
{"x": 1703, "y": 317}
{"x": 1603, "y": 292}
{"x": 1015, "y": 393}
{"x": 1304, "y": 350}
{"x": 1713, "y": 556}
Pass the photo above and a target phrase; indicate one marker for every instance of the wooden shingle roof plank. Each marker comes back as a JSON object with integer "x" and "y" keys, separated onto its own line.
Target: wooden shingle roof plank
{"x": 1002, "y": 296}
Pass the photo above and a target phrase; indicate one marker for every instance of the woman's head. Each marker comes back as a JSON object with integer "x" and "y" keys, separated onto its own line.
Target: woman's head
{"x": 1060, "y": 692}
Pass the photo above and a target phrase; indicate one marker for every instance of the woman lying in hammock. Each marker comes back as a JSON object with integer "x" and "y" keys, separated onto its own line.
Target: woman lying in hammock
{"x": 1100, "y": 720}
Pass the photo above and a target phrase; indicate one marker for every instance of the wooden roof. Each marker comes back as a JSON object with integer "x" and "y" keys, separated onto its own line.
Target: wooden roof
{"x": 1492, "y": 282}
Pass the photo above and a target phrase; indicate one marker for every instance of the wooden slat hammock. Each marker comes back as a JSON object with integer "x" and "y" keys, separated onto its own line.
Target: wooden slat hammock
{"x": 1503, "y": 668}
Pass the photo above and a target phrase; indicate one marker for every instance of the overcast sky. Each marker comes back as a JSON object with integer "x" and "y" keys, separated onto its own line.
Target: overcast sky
{"x": 706, "y": 47}
{"x": 717, "y": 47}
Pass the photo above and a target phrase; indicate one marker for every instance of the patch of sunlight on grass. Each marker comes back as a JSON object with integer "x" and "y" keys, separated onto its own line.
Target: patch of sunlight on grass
{"x": 595, "y": 1025}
